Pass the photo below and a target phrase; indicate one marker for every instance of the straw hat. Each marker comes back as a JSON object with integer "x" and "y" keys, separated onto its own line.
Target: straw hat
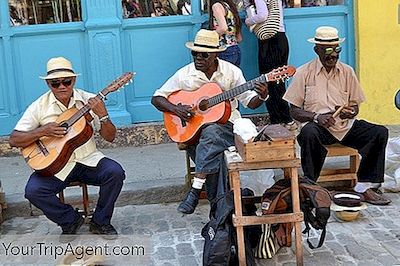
{"x": 326, "y": 35}
{"x": 347, "y": 205}
{"x": 59, "y": 67}
{"x": 206, "y": 41}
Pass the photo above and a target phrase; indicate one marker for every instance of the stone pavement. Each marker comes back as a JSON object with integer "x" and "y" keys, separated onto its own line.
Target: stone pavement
{"x": 170, "y": 238}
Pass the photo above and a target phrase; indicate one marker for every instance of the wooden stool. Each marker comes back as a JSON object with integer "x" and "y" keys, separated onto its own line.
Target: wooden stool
{"x": 236, "y": 164}
{"x": 342, "y": 174}
{"x": 85, "y": 198}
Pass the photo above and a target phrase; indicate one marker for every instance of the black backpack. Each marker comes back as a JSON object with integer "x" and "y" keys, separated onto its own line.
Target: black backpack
{"x": 313, "y": 199}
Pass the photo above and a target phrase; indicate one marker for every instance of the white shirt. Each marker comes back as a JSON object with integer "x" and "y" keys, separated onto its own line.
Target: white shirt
{"x": 47, "y": 109}
{"x": 227, "y": 76}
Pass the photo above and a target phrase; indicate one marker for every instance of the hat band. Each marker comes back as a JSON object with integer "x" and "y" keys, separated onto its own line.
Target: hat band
{"x": 60, "y": 70}
{"x": 322, "y": 40}
{"x": 206, "y": 46}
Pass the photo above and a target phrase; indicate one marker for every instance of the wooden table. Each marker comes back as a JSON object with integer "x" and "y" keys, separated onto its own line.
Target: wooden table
{"x": 235, "y": 164}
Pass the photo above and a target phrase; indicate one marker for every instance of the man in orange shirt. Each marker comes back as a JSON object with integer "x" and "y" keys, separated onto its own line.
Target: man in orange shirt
{"x": 319, "y": 88}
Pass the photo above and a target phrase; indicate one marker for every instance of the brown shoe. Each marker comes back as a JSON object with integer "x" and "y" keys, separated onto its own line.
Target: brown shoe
{"x": 374, "y": 198}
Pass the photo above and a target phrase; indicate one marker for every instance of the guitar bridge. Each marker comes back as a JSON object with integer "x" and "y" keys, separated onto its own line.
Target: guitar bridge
{"x": 42, "y": 148}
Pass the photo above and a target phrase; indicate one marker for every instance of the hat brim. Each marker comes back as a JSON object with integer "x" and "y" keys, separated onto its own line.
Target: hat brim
{"x": 312, "y": 40}
{"x": 338, "y": 208}
{"x": 60, "y": 75}
{"x": 192, "y": 47}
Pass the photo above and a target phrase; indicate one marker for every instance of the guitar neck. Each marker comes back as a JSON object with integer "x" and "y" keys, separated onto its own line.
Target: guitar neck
{"x": 227, "y": 95}
{"x": 86, "y": 108}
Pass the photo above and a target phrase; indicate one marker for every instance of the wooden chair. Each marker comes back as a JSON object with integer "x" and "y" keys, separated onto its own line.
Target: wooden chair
{"x": 85, "y": 198}
{"x": 341, "y": 174}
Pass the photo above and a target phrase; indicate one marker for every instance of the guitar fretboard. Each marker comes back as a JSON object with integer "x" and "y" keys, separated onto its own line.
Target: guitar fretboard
{"x": 226, "y": 95}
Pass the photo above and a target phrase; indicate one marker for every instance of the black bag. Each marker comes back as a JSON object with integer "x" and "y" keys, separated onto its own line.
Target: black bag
{"x": 313, "y": 199}
{"x": 220, "y": 234}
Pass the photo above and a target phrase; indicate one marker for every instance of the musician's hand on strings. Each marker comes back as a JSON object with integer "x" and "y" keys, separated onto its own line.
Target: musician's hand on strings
{"x": 262, "y": 89}
{"x": 98, "y": 107}
{"x": 53, "y": 130}
{"x": 184, "y": 112}
{"x": 326, "y": 120}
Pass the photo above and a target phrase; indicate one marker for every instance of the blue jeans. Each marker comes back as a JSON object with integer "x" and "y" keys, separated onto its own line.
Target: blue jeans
{"x": 208, "y": 154}
{"x": 108, "y": 174}
{"x": 232, "y": 54}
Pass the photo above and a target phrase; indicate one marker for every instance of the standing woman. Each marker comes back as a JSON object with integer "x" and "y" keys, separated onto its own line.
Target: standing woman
{"x": 273, "y": 52}
{"x": 224, "y": 18}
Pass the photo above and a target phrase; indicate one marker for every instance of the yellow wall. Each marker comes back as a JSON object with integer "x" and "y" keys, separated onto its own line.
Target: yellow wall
{"x": 377, "y": 32}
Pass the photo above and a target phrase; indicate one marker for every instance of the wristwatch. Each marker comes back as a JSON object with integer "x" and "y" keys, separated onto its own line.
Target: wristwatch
{"x": 315, "y": 118}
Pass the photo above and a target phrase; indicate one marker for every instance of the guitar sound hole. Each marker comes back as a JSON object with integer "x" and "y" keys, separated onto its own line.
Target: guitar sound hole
{"x": 203, "y": 105}
{"x": 64, "y": 124}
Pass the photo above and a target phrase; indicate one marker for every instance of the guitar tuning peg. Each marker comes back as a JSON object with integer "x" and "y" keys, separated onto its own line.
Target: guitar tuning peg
{"x": 277, "y": 82}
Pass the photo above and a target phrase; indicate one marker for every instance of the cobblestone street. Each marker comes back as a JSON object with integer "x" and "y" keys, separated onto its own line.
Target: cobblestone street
{"x": 170, "y": 238}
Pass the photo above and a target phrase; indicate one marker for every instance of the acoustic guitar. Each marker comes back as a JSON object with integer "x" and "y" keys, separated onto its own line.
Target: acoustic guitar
{"x": 211, "y": 104}
{"x": 48, "y": 155}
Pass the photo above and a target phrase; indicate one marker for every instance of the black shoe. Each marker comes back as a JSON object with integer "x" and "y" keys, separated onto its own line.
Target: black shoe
{"x": 107, "y": 231}
{"x": 190, "y": 202}
{"x": 69, "y": 232}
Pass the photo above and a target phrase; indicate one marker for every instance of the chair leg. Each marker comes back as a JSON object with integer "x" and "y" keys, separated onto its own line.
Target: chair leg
{"x": 85, "y": 198}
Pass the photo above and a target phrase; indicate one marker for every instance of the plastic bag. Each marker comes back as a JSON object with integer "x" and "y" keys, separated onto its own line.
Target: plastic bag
{"x": 257, "y": 180}
{"x": 392, "y": 166}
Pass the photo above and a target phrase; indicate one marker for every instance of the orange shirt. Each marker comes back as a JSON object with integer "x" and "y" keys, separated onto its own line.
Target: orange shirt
{"x": 315, "y": 90}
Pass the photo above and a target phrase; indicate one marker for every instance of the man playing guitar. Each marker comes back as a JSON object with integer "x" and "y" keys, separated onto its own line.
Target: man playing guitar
{"x": 87, "y": 164}
{"x": 214, "y": 138}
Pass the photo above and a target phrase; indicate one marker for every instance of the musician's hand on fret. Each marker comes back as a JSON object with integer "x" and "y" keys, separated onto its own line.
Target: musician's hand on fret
{"x": 98, "y": 107}
{"x": 184, "y": 112}
{"x": 262, "y": 89}
{"x": 53, "y": 130}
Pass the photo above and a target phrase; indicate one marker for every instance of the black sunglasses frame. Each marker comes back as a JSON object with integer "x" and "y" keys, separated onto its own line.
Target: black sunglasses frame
{"x": 204, "y": 55}
{"x": 65, "y": 82}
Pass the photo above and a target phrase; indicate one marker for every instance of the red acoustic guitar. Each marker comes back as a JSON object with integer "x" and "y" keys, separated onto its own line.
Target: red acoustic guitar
{"x": 48, "y": 155}
{"x": 211, "y": 104}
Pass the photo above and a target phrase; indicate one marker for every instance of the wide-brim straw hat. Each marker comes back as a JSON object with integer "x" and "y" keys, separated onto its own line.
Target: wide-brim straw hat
{"x": 206, "y": 41}
{"x": 326, "y": 35}
{"x": 59, "y": 67}
{"x": 339, "y": 208}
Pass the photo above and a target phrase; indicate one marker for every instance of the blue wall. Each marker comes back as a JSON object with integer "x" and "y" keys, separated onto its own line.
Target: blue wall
{"x": 104, "y": 45}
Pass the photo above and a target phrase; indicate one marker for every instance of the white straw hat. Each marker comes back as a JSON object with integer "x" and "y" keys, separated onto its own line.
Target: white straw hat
{"x": 59, "y": 67}
{"x": 206, "y": 41}
{"x": 326, "y": 35}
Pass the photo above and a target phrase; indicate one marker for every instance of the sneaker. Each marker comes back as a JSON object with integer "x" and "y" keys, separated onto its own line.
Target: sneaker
{"x": 374, "y": 198}
{"x": 188, "y": 205}
{"x": 107, "y": 231}
{"x": 69, "y": 232}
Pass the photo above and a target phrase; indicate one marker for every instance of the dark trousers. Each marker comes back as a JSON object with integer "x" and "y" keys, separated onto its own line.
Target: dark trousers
{"x": 369, "y": 139}
{"x": 273, "y": 53}
{"x": 108, "y": 175}
{"x": 208, "y": 154}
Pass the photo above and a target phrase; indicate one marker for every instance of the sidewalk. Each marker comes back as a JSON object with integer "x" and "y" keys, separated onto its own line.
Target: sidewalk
{"x": 155, "y": 174}
{"x": 170, "y": 238}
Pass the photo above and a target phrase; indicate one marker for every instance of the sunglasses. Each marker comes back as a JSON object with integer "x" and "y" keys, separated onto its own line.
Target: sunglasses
{"x": 204, "y": 55}
{"x": 56, "y": 83}
{"x": 330, "y": 50}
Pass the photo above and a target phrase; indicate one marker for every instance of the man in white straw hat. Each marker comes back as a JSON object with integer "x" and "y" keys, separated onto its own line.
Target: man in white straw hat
{"x": 214, "y": 138}
{"x": 87, "y": 164}
{"x": 319, "y": 88}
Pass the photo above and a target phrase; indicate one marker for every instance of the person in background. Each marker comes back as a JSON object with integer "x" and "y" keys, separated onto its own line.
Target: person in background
{"x": 318, "y": 89}
{"x": 184, "y": 7}
{"x": 87, "y": 164}
{"x": 224, "y": 18}
{"x": 273, "y": 52}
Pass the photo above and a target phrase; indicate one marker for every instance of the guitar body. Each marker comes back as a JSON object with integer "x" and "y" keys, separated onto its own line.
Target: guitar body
{"x": 219, "y": 113}
{"x": 50, "y": 154}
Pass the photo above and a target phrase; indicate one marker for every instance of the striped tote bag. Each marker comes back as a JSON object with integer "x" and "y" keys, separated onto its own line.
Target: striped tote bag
{"x": 270, "y": 26}
{"x": 267, "y": 246}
